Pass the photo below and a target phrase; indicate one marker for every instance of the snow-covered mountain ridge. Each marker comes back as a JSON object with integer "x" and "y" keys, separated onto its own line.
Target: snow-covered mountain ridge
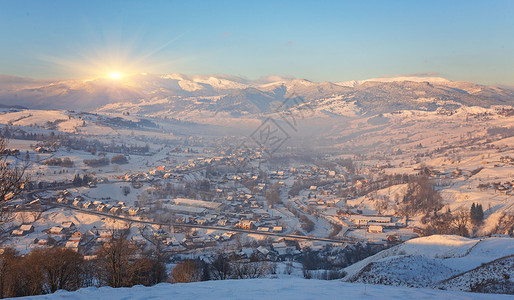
{"x": 222, "y": 93}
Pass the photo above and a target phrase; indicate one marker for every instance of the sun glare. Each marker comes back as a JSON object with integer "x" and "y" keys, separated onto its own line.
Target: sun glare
{"x": 115, "y": 75}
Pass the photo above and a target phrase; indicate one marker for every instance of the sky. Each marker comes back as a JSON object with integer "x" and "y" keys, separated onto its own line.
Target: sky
{"x": 316, "y": 40}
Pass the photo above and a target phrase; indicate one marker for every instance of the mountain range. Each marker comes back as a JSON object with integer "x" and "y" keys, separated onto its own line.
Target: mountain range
{"x": 238, "y": 96}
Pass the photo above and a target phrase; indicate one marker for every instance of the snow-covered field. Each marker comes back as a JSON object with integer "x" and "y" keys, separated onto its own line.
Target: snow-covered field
{"x": 290, "y": 288}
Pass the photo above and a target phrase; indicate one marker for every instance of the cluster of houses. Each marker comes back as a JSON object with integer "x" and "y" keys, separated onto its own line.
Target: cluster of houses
{"x": 504, "y": 188}
{"x": 373, "y": 224}
{"x": 120, "y": 208}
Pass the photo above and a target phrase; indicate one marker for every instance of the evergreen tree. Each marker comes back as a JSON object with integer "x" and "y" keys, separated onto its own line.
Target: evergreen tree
{"x": 476, "y": 213}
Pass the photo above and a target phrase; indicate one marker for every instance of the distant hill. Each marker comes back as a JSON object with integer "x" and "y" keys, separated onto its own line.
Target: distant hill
{"x": 12, "y": 106}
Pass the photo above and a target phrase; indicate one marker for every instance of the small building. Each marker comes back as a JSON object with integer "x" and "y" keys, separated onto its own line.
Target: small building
{"x": 133, "y": 211}
{"x": 18, "y": 232}
{"x": 246, "y": 224}
{"x": 73, "y": 245}
{"x": 76, "y": 236}
{"x": 263, "y": 250}
{"x": 55, "y": 230}
{"x": 277, "y": 229}
{"x": 27, "y": 228}
{"x": 68, "y": 225}
{"x": 375, "y": 229}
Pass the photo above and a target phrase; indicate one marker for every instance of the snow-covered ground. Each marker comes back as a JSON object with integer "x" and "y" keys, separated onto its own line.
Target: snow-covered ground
{"x": 428, "y": 260}
{"x": 290, "y": 288}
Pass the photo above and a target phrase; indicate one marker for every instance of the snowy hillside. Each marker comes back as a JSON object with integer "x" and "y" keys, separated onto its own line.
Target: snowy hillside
{"x": 265, "y": 289}
{"x": 488, "y": 278}
{"x": 423, "y": 262}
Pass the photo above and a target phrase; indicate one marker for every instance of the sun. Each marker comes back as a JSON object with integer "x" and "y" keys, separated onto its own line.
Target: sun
{"x": 115, "y": 75}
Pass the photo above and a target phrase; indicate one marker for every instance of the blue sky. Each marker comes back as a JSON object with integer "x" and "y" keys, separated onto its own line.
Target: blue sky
{"x": 325, "y": 41}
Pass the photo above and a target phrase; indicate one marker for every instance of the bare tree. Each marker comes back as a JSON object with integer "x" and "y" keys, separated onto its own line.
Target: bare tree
{"x": 57, "y": 268}
{"x": 460, "y": 222}
{"x": 246, "y": 270}
{"x": 8, "y": 273}
{"x": 115, "y": 258}
{"x": 12, "y": 179}
{"x": 220, "y": 267}
{"x": 186, "y": 271}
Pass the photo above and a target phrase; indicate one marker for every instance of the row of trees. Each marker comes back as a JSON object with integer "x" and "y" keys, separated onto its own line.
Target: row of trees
{"x": 65, "y": 162}
{"x": 420, "y": 197}
{"x": 454, "y": 223}
{"x": 69, "y": 142}
{"x": 223, "y": 266}
{"x": 118, "y": 263}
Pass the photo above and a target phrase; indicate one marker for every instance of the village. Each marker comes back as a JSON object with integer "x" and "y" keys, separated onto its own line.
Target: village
{"x": 197, "y": 195}
{"x": 213, "y": 210}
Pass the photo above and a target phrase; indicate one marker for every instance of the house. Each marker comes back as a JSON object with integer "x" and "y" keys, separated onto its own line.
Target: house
{"x": 375, "y": 229}
{"x": 76, "y": 236}
{"x": 263, "y": 229}
{"x": 227, "y": 235}
{"x": 73, "y": 245}
{"x": 246, "y": 224}
{"x": 364, "y": 220}
{"x": 277, "y": 229}
{"x": 77, "y": 203}
{"x": 88, "y": 205}
{"x": 133, "y": 211}
{"x": 27, "y": 228}
{"x": 55, "y": 230}
{"x": 67, "y": 224}
{"x": 104, "y": 235}
{"x": 280, "y": 248}
{"x": 18, "y": 232}
{"x": 263, "y": 250}
{"x": 115, "y": 210}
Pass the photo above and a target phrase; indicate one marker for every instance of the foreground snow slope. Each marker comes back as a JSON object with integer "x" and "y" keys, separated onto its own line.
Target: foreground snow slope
{"x": 425, "y": 261}
{"x": 292, "y": 288}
